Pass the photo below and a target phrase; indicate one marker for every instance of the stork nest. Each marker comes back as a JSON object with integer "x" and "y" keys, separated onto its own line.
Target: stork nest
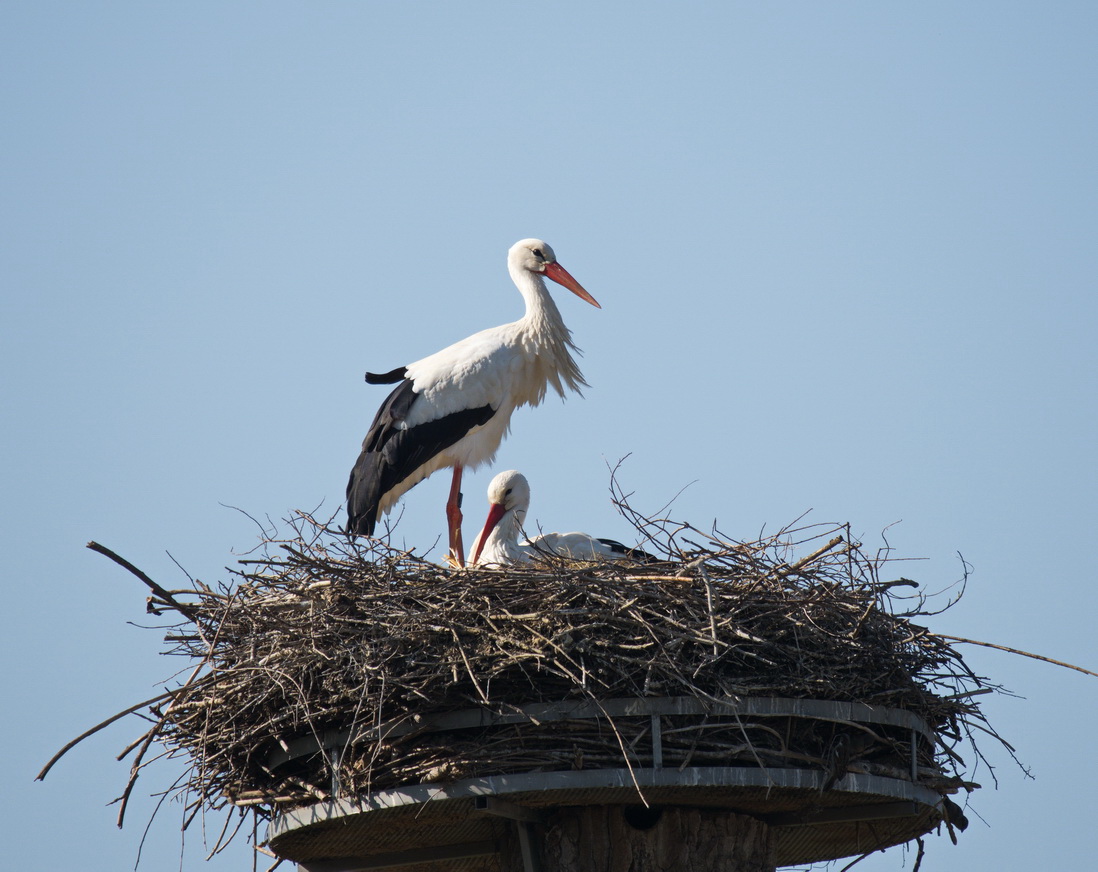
{"x": 318, "y": 634}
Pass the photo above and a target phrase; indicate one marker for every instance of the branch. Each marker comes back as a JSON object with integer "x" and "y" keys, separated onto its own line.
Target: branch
{"x": 186, "y": 611}
{"x": 1019, "y": 651}
{"x": 96, "y": 729}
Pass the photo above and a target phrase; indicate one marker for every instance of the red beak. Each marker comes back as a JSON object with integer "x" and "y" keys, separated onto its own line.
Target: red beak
{"x": 562, "y": 277}
{"x": 495, "y": 512}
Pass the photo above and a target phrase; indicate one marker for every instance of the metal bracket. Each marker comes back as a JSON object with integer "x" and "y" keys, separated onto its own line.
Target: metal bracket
{"x": 503, "y": 808}
{"x": 657, "y": 742}
{"x": 336, "y": 759}
{"x": 524, "y": 819}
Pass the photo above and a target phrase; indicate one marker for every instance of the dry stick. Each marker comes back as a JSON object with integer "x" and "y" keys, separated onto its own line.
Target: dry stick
{"x": 136, "y": 767}
{"x": 468, "y": 668}
{"x": 68, "y": 747}
{"x": 709, "y": 604}
{"x": 922, "y": 849}
{"x": 222, "y": 842}
{"x": 978, "y": 692}
{"x": 152, "y": 817}
{"x": 899, "y": 582}
{"x": 804, "y": 561}
{"x": 1023, "y": 653}
{"x": 184, "y": 610}
{"x": 624, "y": 753}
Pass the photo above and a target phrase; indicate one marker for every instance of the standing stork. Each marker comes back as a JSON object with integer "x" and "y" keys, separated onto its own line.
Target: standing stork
{"x": 454, "y": 407}
{"x": 498, "y": 543}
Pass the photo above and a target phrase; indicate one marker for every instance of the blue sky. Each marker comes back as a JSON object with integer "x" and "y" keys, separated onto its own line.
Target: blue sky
{"x": 846, "y": 257}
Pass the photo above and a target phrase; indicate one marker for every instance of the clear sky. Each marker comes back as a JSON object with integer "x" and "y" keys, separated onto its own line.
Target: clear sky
{"x": 846, "y": 253}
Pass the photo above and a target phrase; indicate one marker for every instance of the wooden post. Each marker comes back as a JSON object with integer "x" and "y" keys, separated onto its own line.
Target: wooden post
{"x": 614, "y": 838}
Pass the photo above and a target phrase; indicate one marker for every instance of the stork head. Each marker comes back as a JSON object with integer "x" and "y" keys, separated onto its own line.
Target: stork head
{"x": 508, "y": 500}
{"x": 536, "y": 256}
{"x": 511, "y": 491}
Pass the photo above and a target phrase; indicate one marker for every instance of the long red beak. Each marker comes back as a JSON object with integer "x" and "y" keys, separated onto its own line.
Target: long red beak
{"x": 562, "y": 277}
{"x": 495, "y": 512}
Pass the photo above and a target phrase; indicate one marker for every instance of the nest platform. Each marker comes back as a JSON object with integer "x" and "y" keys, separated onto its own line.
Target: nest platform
{"x": 878, "y": 799}
{"x": 378, "y": 709}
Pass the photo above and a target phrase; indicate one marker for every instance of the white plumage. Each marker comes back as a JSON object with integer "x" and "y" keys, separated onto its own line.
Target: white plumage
{"x": 498, "y": 543}
{"x": 453, "y": 408}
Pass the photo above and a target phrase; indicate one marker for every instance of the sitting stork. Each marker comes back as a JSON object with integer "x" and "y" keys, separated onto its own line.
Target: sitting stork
{"x": 498, "y": 543}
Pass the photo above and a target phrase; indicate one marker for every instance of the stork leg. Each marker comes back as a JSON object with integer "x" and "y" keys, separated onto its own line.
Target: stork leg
{"x": 453, "y": 519}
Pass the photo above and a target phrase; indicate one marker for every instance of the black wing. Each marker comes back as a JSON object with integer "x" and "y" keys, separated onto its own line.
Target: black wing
{"x": 634, "y": 553}
{"x": 387, "y": 378}
{"x": 390, "y": 454}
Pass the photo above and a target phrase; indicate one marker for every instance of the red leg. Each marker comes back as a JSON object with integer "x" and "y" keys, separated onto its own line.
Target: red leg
{"x": 453, "y": 519}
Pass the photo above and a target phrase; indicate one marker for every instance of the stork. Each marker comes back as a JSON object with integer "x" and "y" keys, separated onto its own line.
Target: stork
{"x": 453, "y": 408}
{"x": 498, "y": 544}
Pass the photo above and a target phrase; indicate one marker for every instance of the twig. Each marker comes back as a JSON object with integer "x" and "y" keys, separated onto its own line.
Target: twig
{"x": 135, "y": 767}
{"x": 1022, "y": 653}
{"x": 186, "y": 611}
{"x": 783, "y": 571}
{"x": 91, "y": 732}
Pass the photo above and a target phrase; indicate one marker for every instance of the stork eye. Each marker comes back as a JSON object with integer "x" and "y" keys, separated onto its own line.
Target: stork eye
{"x": 507, "y": 492}
{"x": 538, "y": 254}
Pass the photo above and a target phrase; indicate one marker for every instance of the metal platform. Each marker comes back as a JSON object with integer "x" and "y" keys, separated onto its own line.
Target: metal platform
{"x": 461, "y": 825}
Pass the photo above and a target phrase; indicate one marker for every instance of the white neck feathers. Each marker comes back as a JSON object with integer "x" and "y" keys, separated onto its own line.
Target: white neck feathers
{"x": 543, "y": 331}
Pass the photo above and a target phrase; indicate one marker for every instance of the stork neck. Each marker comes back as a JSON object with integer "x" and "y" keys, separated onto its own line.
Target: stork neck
{"x": 546, "y": 342}
{"x": 509, "y": 527}
{"x": 502, "y": 542}
{"x": 541, "y": 309}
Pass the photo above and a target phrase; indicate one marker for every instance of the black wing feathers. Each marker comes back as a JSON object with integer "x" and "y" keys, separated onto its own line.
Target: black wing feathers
{"x": 390, "y": 454}
{"x": 387, "y": 378}
{"x": 635, "y": 553}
